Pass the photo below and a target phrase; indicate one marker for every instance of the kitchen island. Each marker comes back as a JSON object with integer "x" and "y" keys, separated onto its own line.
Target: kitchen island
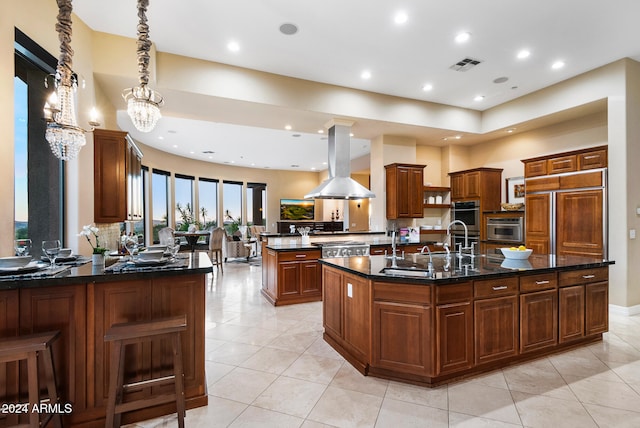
{"x": 401, "y": 320}
{"x": 83, "y": 302}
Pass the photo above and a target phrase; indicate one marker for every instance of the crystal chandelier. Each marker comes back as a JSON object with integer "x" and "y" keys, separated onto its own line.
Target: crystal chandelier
{"x": 63, "y": 134}
{"x": 143, "y": 103}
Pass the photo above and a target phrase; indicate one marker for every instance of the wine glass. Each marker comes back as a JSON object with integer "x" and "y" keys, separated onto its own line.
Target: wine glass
{"x": 174, "y": 247}
{"x": 130, "y": 245}
{"x": 22, "y": 247}
{"x": 51, "y": 250}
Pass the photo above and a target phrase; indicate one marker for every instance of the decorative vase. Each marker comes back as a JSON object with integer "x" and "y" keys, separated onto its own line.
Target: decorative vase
{"x": 98, "y": 261}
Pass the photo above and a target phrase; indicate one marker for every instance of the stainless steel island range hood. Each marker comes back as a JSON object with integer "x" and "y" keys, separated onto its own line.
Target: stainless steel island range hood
{"x": 340, "y": 185}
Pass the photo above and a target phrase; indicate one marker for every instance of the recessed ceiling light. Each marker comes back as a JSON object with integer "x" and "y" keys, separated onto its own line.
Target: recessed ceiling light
{"x": 427, "y": 87}
{"x": 288, "y": 29}
{"x": 400, "y": 17}
{"x": 523, "y": 54}
{"x": 313, "y": 168}
{"x": 287, "y": 127}
{"x": 463, "y": 37}
{"x": 557, "y": 65}
{"x": 161, "y": 138}
{"x": 478, "y": 98}
{"x": 500, "y": 79}
{"x": 233, "y": 46}
{"x": 351, "y": 134}
{"x": 320, "y": 131}
{"x": 458, "y": 137}
{"x": 191, "y": 152}
{"x": 366, "y": 74}
{"x": 175, "y": 146}
{"x": 510, "y": 130}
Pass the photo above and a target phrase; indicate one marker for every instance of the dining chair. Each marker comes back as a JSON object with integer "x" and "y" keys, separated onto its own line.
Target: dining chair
{"x": 215, "y": 247}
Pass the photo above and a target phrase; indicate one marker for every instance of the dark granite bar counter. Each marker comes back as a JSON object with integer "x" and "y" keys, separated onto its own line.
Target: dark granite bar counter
{"x": 85, "y": 273}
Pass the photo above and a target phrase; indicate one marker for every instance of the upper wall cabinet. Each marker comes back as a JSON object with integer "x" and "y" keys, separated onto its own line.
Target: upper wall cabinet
{"x": 482, "y": 184}
{"x": 578, "y": 160}
{"x": 117, "y": 175}
{"x": 405, "y": 190}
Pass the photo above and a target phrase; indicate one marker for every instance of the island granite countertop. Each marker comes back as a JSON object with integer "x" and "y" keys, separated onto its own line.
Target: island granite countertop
{"x": 482, "y": 266}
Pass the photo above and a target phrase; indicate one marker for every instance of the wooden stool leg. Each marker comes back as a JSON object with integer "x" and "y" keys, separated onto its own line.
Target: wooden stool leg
{"x": 179, "y": 382}
{"x": 34, "y": 389}
{"x": 47, "y": 359}
{"x": 115, "y": 384}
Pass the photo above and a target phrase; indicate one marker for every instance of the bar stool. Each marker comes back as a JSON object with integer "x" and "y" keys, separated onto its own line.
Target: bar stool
{"x": 136, "y": 332}
{"x": 30, "y": 347}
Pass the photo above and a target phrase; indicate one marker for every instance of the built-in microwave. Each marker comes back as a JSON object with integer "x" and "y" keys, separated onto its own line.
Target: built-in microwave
{"x": 505, "y": 229}
{"x": 469, "y": 213}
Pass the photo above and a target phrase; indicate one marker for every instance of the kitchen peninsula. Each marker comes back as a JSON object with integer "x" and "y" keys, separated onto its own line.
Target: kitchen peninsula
{"x": 393, "y": 319}
{"x": 83, "y": 302}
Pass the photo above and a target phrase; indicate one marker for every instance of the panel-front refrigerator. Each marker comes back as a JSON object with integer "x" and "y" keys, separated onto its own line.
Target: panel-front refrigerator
{"x": 566, "y": 214}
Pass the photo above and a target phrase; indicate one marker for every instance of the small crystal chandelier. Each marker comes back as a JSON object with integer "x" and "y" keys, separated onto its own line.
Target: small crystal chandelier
{"x": 143, "y": 103}
{"x": 64, "y": 135}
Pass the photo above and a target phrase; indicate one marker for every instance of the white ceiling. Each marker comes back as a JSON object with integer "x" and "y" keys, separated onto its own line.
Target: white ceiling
{"x": 338, "y": 39}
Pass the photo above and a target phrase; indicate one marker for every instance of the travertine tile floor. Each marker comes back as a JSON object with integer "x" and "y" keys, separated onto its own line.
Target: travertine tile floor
{"x": 269, "y": 367}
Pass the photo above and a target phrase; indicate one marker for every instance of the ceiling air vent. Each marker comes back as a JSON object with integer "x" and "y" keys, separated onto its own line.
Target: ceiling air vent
{"x": 465, "y": 64}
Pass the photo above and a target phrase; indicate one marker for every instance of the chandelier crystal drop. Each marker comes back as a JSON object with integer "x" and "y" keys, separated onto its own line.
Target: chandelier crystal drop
{"x": 63, "y": 134}
{"x": 143, "y": 103}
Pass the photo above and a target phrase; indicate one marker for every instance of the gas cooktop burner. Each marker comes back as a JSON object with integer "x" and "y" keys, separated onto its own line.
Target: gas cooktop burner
{"x": 343, "y": 248}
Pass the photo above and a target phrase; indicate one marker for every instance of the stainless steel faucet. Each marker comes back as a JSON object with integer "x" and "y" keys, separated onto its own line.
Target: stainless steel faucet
{"x": 430, "y": 265}
{"x": 466, "y": 240}
{"x": 394, "y": 257}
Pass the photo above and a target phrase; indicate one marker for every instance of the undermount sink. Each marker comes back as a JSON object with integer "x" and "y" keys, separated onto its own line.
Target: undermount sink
{"x": 414, "y": 273}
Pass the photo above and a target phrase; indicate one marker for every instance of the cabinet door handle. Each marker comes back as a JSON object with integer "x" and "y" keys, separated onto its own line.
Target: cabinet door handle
{"x": 592, "y": 157}
{"x": 562, "y": 161}
{"x": 499, "y": 287}
{"x": 588, "y": 276}
{"x": 541, "y": 282}
{"x": 301, "y": 255}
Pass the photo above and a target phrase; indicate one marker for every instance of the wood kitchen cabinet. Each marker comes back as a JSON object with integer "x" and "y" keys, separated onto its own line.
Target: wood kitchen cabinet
{"x": 538, "y": 223}
{"x": 578, "y": 160}
{"x": 402, "y": 328}
{"x": 292, "y": 276}
{"x": 404, "y": 187}
{"x": 347, "y": 315}
{"x": 495, "y": 319}
{"x": 117, "y": 169}
{"x": 454, "y": 328}
{"x": 482, "y": 184}
{"x": 538, "y": 312}
{"x": 583, "y": 297}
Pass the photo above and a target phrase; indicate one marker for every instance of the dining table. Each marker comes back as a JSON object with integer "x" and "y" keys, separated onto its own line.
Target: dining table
{"x": 192, "y": 237}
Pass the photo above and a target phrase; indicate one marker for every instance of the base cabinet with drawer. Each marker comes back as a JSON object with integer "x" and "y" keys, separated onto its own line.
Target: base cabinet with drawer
{"x": 429, "y": 333}
{"x": 292, "y": 276}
